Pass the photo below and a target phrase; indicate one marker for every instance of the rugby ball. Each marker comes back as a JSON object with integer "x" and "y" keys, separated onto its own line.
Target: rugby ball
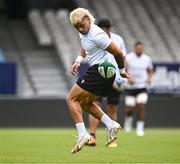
{"x": 106, "y": 69}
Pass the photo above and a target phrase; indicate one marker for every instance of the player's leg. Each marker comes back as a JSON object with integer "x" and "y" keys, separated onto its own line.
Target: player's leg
{"x": 112, "y": 111}
{"x": 93, "y": 84}
{"x": 112, "y": 126}
{"x": 130, "y": 104}
{"x": 93, "y": 124}
{"x": 88, "y": 104}
{"x": 112, "y": 108}
{"x": 141, "y": 100}
{"x": 112, "y": 104}
{"x": 73, "y": 102}
{"x": 97, "y": 112}
{"x": 74, "y": 105}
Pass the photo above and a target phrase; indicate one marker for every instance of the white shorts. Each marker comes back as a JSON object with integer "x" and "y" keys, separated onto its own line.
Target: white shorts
{"x": 137, "y": 97}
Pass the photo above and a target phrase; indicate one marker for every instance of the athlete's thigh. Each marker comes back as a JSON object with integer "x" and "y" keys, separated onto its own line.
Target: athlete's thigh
{"x": 130, "y": 98}
{"x": 142, "y": 98}
{"x": 130, "y": 101}
{"x": 75, "y": 91}
{"x": 84, "y": 97}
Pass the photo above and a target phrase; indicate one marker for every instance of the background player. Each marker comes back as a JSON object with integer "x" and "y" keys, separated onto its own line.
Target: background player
{"x": 140, "y": 66}
{"x": 114, "y": 96}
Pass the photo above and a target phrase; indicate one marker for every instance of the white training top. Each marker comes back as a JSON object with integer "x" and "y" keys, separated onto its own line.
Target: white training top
{"x": 117, "y": 39}
{"x": 137, "y": 67}
{"x": 94, "y": 43}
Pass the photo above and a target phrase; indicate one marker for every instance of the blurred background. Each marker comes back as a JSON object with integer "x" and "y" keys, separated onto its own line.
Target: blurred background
{"x": 38, "y": 46}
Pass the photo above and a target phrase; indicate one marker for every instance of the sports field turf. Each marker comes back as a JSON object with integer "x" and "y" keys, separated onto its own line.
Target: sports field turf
{"x": 54, "y": 145}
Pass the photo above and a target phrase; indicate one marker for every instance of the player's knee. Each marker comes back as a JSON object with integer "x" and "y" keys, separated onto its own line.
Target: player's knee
{"x": 142, "y": 98}
{"x": 130, "y": 101}
{"x": 68, "y": 99}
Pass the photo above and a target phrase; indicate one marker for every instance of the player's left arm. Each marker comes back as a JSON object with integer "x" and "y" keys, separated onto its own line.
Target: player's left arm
{"x": 150, "y": 72}
{"x": 149, "y": 75}
{"x": 77, "y": 63}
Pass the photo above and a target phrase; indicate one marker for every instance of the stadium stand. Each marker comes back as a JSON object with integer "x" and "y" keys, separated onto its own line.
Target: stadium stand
{"x": 40, "y": 70}
{"x": 62, "y": 32}
{"x": 59, "y": 38}
{"x": 40, "y": 29}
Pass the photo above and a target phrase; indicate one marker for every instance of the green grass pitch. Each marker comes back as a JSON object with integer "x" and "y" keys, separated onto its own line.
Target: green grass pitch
{"x": 54, "y": 145}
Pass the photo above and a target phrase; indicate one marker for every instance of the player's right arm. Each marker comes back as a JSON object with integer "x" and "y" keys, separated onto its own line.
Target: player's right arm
{"x": 76, "y": 65}
{"x": 103, "y": 41}
{"x": 114, "y": 50}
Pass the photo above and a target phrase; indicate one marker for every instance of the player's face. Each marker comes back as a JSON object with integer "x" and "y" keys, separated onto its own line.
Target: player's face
{"x": 83, "y": 27}
{"x": 138, "y": 49}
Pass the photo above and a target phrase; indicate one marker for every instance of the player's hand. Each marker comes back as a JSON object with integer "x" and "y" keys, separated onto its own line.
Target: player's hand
{"x": 125, "y": 75}
{"x": 74, "y": 68}
{"x": 131, "y": 81}
{"x": 148, "y": 81}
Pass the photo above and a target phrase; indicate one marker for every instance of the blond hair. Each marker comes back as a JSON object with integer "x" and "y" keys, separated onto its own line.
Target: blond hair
{"x": 77, "y": 16}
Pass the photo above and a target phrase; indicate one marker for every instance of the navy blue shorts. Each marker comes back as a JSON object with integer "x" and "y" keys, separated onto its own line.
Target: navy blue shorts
{"x": 113, "y": 97}
{"x": 94, "y": 83}
{"x": 136, "y": 91}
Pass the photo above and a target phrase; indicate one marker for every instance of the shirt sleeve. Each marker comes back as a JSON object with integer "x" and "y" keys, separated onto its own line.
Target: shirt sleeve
{"x": 102, "y": 40}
